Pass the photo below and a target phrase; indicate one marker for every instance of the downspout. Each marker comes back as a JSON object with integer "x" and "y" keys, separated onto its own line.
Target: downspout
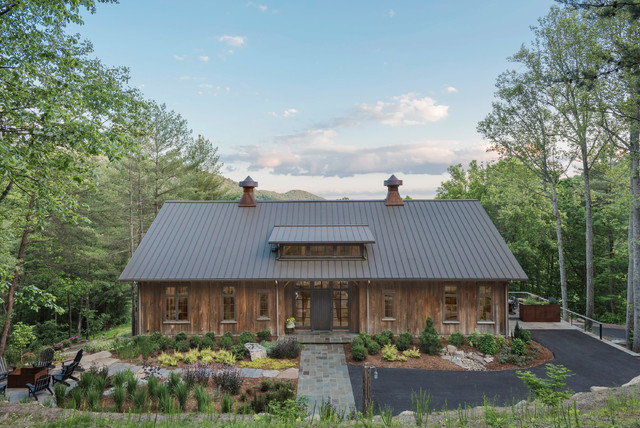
{"x": 368, "y": 326}
{"x": 277, "y": 311}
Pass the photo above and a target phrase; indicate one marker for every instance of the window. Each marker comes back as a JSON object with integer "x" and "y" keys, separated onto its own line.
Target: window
{"x": 303, "y": 308}
{"x": 293, "y": 251}
{"x": 228, "y": 303}
{"x": 349, "y": 250}
{"x": 263, "y": 305}
{"x": 450, "y": 303}
{"x": 317, "y": 251}
{"x": 485, "y": 303}
{"x": 388, "y": 306}
{"x": 340, "y": 309}
{"x": 176, "y": 303}
{"x": 321, "y": 250}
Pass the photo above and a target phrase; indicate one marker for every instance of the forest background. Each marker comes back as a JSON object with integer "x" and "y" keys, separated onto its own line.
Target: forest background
{"x": 86, "y": 164}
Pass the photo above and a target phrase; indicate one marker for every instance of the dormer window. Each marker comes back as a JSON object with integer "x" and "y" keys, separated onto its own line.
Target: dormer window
{"x": 324, "y": 242}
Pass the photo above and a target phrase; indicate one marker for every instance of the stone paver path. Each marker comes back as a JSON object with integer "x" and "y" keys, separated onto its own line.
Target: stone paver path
{"x": 324, "y": 375}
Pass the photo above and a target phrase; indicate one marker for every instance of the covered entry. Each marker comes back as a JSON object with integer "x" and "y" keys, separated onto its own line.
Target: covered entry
{"x": 322, "y": 305}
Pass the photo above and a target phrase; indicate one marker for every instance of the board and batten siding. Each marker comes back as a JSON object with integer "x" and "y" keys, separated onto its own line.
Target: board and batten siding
{"x": 414, "y": 301}
{"x": 205, "y": 308}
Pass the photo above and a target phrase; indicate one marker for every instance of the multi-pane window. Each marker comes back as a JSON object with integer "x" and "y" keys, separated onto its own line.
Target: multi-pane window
{"x": 176, "y": 303}
{"x": 450, "y": 303}
{"x": 228, "y": 303}
{"x": 263, "y": 305}
{"x": 303, "y": 308}
{"x": 340, "y": 309}
{"x": 321, "y": 251}
{"x": 388, "y": 306}
{"x": 485, "y": 303}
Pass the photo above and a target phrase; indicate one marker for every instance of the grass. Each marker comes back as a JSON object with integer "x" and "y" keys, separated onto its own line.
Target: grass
{"x": 121, "y": 330}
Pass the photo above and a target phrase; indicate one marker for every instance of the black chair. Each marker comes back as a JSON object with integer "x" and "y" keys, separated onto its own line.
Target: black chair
{"x": 65, "y": 373}
{"x": 77, "y": 359}
{"x": 3, "y": 388}
{"x": 41, "y": 384}
{"x": 46, "y": 359}
{"x": 5, "y": 369}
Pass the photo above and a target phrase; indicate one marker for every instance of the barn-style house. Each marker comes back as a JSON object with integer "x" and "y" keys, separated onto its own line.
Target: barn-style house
{"x": 333, "y": 265}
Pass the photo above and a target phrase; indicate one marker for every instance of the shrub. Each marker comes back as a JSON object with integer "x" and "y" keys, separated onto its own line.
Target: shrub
{"x": 287, "y": 348}
{"x": 357, "y": 341}
{"x": 194, "y": 342}
{"x": 60, "y": 393}
{"x": 268, "y": 346}
{"x": 521, "y": 333}
{"x": 207, "y": 343}
{"x": 266, "y": 385}
{"x": 181, "y": 336}
{"x": 258, "y": 404}
{"x": 359, "y": 352}
{"x": 373, "y": 347}
{"x": 487, "y": 344}
{"x": 456, "y": 339}
{"x": 225, "y": 341}
{"x": 76, "y": 395}
{"x": 430, "y": 339}
{"x": 239, "y": 351}
{"x": 264, "y": 335}
{"x": 389, "y": 353}
{"x": 518, "y": 347}
{"x": 202, "y": 398}
{"x": 550, "y": 391}
{"x": 225, "y": 357}
{"x": 167, "y": 360}
{"x": 246, "y": 337}
{"x": 228, "y": 379}
{"x": 118, "y": 397}
{"x": 99, "y": 384}
{"x": 132, "y": 385}
{"x": 389, "y": 334}
{"x": 182, "y": 393}
{"x": 244, "y": 409}
{"x": 153, "y": 385}
{"x": 267, "y": 363}
{"x": 383, "y": 340}
{"x": 412, "y": 353}
{"x": 226, "y": 405}
{"x": 211, "y": 335}
{"x": 501, "y": 341}
{"x": 169, "y": 344}
{"x": 93, "y": 397}
{"x": 156, "y": 337}
{"x": 191, "y": 356}
{"x": 139, "y": 399}
{"x": 98, "y": 346}
{"x": 404, "y": 341}
{"x": 165, "y": 400}
{"x": 174, "y": 380}
{"x": 196, "y": 373}
{"x": 473, "y": 338}
{"x": 182, "y": 346}
{"x": 119, "y": 378}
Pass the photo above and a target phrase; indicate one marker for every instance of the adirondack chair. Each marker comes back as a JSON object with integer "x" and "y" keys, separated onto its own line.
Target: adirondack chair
{"x": 77, "y": 359}
{"x": 46, "y": 359}
{"x": 5, "y": 369}
{"x": 3, "y": 388}
{"x": 66, "y": 372}
{"x": 41, "y": 384}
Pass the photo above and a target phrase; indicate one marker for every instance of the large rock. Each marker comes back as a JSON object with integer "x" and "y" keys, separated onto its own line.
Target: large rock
{"x": 256, "y": 350}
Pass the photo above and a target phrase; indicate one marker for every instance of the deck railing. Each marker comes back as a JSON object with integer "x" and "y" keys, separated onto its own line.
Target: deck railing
{"x": 571, "y": 314}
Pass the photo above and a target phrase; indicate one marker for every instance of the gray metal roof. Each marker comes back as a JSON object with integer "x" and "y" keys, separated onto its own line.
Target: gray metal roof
{"x": 424, "y": 239}
{"x": 322, "y": 234}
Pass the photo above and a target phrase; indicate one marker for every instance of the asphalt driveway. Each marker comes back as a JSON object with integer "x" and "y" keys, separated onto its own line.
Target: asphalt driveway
{"x": 591, "y": 361}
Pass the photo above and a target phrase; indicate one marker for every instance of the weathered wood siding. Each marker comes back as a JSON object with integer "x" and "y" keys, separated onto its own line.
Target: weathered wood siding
{"x": 414, "y": 301}
{"x": 205, "y": 308}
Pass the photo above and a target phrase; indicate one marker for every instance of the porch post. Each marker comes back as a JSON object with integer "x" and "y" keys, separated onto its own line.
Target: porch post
{"x": 277, "y": 310}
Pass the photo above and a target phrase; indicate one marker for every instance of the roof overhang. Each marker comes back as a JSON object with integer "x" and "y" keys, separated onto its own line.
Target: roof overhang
{"x": 322, "y": 234}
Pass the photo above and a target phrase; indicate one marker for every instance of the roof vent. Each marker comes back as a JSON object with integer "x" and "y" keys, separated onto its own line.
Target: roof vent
{"x": 248, "y": 198}
{"x": 393, "y": 197}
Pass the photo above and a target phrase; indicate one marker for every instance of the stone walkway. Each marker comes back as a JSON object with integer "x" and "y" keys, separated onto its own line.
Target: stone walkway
{"x": 324, "y": 375}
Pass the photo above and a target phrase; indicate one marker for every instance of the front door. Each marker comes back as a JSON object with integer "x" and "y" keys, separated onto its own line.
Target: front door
{"x": 321, "y": 310}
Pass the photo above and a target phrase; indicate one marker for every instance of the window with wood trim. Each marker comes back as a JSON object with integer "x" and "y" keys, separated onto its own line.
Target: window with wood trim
{"x": 263, "y": 305}
{"x": 485, "y": 303}
{"x": 451, "y": 303}
{"x": 387, "y": 305}
{"x": 228, "y": 303}
{"x": 176, "y": 303}
{"x": 321, "y": 251}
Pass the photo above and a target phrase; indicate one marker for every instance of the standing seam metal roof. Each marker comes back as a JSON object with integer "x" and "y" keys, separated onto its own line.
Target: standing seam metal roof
{"x": 424, "y": 239}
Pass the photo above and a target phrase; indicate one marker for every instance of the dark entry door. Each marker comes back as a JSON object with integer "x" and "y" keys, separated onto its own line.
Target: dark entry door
{"x": 321, "y": 310}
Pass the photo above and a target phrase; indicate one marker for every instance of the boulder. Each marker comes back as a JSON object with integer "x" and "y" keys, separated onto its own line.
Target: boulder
{"x": 451, "y": 349}
{"x": 256, "y": 350}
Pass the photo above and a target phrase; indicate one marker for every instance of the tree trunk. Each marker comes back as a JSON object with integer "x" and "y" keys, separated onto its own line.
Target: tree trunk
{"x": 612, "y": 306}
{"x": 134, "y": 309}
{"x": 635, "y": 182}
{"x": 563, "y": 273}
{"x": 86, "y": 318}
{"x": 131, "y": 230}
{"x": 6, "y": 191}
{"x": 16, "y": 275}
{"x": 590, "y": 300}
{"x": 69, "y": 307}
{"x": 629, "y": 323}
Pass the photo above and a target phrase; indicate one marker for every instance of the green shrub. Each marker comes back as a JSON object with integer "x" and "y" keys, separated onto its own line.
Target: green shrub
{"x": 202, "y": 398}
{"x": 181, "y": 336}
{"x": 173, "y": 381}
{"x": 456, "y": 339}
{"x": 487, "y": 344}
{"x": 373, "y": 347}
{"x": 389, "y": 353}
{"x": 77, "y": 394}
{"x": 132, "y": 385}
{"x": 550, "y": 391}
{"x": 264, "y": 335}
{"x": 430, "y": 342}
{"x": 60, "y": 393}
{"x": 139, "y": 399}
{"x": 194, "y": 342}
{"x": 357, "y": 341}
{"x": 207, "y": 343}
{"x": 182, "y": 393}
{"x": 152, "y": 385}
{"x": 99, "y": 384}
{"x": 246, "y": 337}
{"x": 119, "y": 378}
{"x": 287, "y": 348}
{"x": 404, "y": 341}
{"x": 412, "y": 353}
{"x": 225, "y": 341}
{"x": 359, "y": 352}
{"x": 501, "y": 341}
{"x": 521, "y": 333}
{"x": 182, "y": 346}
{"x": 382, "y": 339}
{"x": 518, "y": 347}
{"x": 239, "y": 351}
{"x": 169, "y": 344}
{"x": 211, "y": 335}
{"x": 118, "y": 397}
{"x": 226, "y": 405}
{"x": 93, "y": 397}
{"x": 473, "y": 338}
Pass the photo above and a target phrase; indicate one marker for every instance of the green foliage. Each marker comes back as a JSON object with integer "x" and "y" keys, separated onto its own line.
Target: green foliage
{"x": 140, "y": 399}
{"x": 195, "y": 342}
{"x": 77, "y": 394}
{"x": 550, "y": 391}
{"x": 373, "y": 347}
{"x": 226, "y": 404}
{"x": 518, "y": 346}
{"x": 132, "y": 384}
{"x": 22, "y": 335}
{"x": 521, "y": 333}
{"x": 120, "y": 378}
{"x": 207, "y": 343}
{"x": 421, "y": 406}
{"x": 430, "y": 342}
{"x": 246, "y": 337}
{"x": 456, "y": 339}
{"x": 181, "y": 336}
{"x": 390, "y": 353}
{"x": 239, "y": 351}
{"x": 182, "y": 393}
{"x": 152, "y": 386}
{"x": 404, "y": 341}
{"x": 202, "y": 397}
{"x": 411, "y": 353}
{"x": 93, "y": 397}
{"x": 264, "y": 335}
{"x": 182, "y": 346}
{"x": 211, "y": 335}
{"x": 359, "y": 352}
{"x": 118, "y": 396}
{"x": 382, "y": 339}
{"x": 225, "y": 341}
{"x": 474, "y": 338}
{"x": 487, "y": 344}
{"x": 60, "y": 394}
{"x": 173, "y": 381}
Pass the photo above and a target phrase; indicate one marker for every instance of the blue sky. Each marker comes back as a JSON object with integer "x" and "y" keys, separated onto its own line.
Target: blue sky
{"x": 329, "y": 97}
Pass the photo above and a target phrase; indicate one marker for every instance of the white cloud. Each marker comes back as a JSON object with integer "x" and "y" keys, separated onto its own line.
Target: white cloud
{"x": 406, "y": 109}
{"x": 285, "y": 114}
{"x": 451, "y": 89}
{"x": 179, "y": 58}
{"x": 261, "y": 7}
{"x": 204, "y": 58}
{"x": 140, "y": 86}
{"x": 391, "y": 13}
{"x": 206, "y": 85}
{"x": 235, "y": 41}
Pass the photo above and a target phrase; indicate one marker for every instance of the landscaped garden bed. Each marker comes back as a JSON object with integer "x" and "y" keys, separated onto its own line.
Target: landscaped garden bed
{"x": 432, "y": 352}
